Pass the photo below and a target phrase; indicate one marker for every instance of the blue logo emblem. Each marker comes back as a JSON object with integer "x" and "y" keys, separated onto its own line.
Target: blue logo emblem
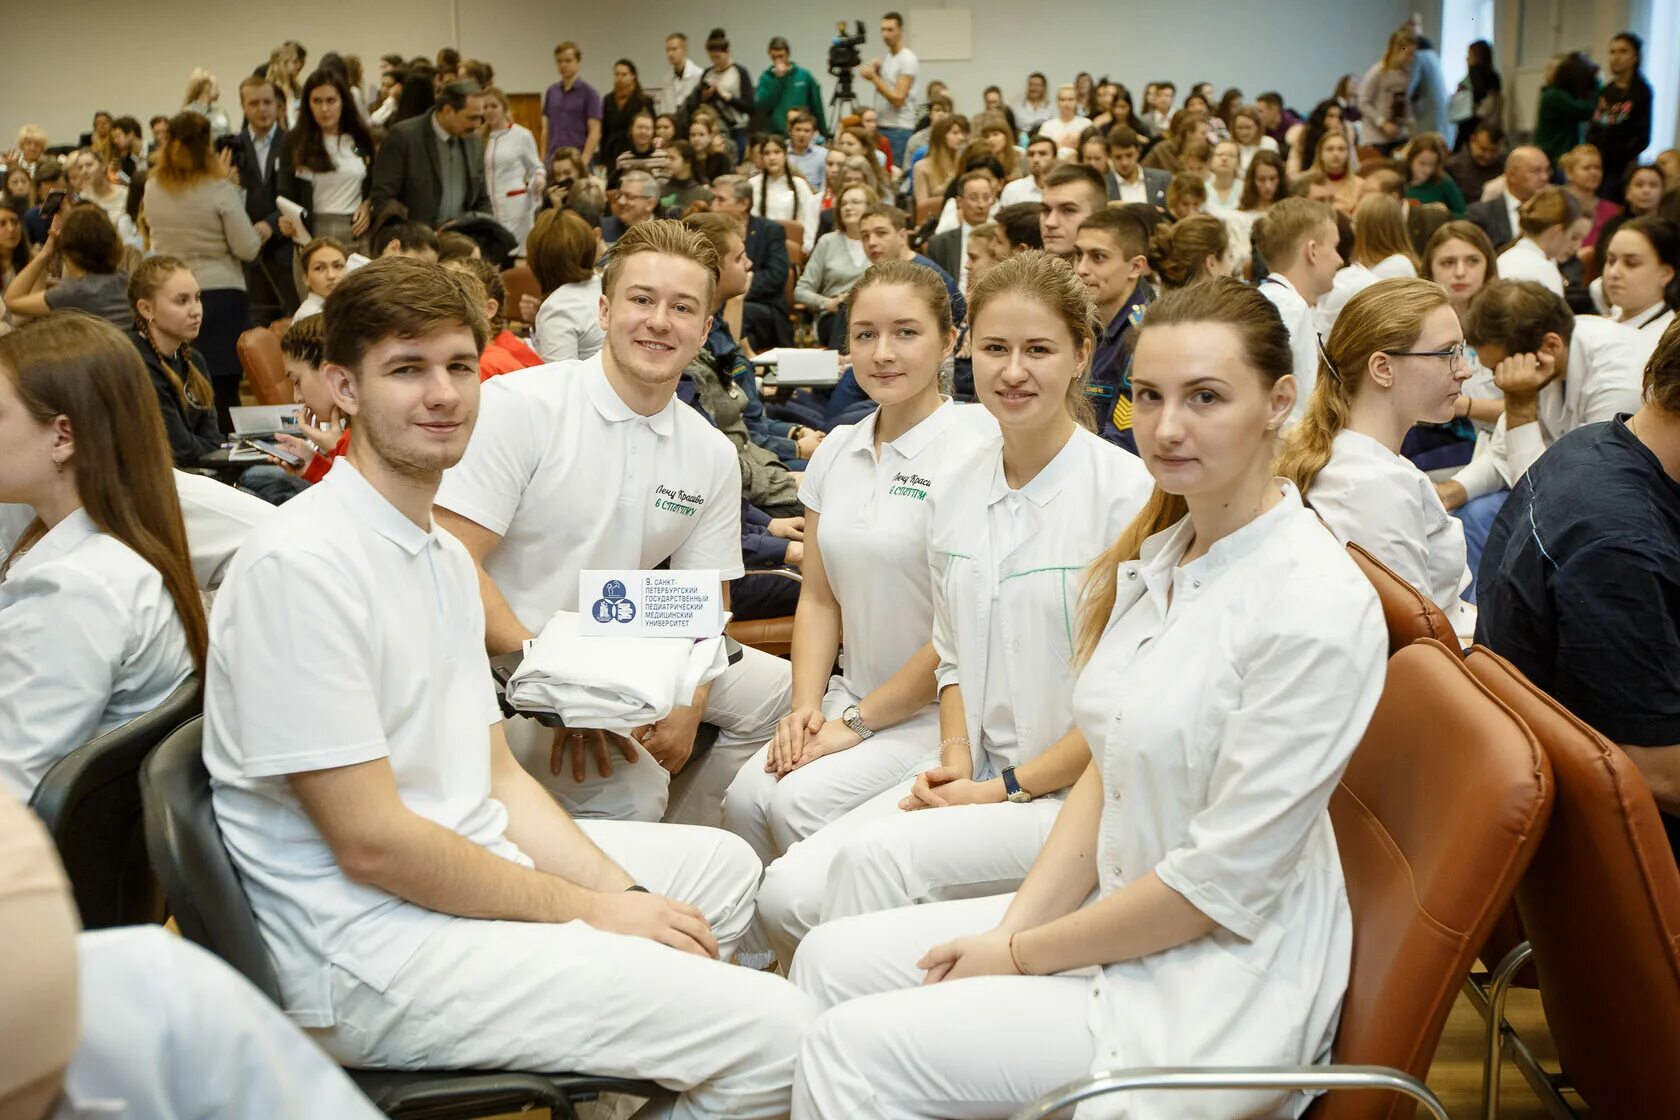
{"x": 613, "y": 605}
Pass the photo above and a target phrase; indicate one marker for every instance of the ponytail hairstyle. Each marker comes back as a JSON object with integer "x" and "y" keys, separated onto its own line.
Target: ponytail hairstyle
{"x": 1178, "y": 251}
{"x": 1264, "y": 341}
{"x": 1385, "y": 317}
{"x": 1548, "y": 207}
{"x": 82, "y": 368}
{"x": 187, "y": 158}
{"x": 1049, "y": 280}
{"x": 194, "y": 392}
{"x": 1379, "y": 231}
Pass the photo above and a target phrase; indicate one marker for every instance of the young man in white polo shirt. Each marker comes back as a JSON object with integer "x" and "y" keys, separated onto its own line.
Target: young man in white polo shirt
{"x": 596, "y": 465}
{"x": 427, "y": 904}
{"x": 1297, "y": 240}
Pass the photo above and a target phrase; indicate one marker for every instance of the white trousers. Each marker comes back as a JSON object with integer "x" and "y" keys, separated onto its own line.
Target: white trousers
{"x": 886, "y": 1048}
{"x": 774, "y": 814}
{"x": 170, "y": 1032}
{"x": 569, "y": 997}
{"x": 879, "y": 857}
{"x": 744, "y": 703}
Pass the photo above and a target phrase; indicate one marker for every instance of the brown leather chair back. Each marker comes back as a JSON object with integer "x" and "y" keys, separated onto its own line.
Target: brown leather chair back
{"x": 1601, "y": 904}
{"x": 1409, "y": 613}
{"x": 259, "y": 355}
{"x": 929, "y": 208}
{"x": 793, "y": 231}
{"x": 1437, "y": 816}
{"x": 767, "y": 635}
{"x": 520, "y": 281}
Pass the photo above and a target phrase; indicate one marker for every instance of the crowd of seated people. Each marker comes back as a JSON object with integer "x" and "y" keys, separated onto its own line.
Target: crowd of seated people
{"x": 1117, "y": 379}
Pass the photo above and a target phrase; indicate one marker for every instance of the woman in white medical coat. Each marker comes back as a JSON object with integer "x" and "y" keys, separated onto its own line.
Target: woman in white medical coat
{"x": 867, "y": 492}
{"x": 1007, "y": 540}
{"x": 1189, "y": 907}
{"x": 100, "y": 617}
{"x": 1396, "y": 358}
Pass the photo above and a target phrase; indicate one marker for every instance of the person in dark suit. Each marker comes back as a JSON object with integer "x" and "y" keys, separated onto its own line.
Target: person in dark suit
{"x": 1526, "y": 170}
{"x": 433, "y": 165}
{"x": 976, "y": 197}
{"x": 256, "y": 157}
{"x": 1127, "y": 181}
{"x": 764, "y": 315}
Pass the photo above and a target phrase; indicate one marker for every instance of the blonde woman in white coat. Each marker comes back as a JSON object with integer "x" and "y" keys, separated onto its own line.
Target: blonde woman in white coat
{"x": 1189, "y": 906}
{"x": 513, "y": 172}
{"x": 1006, "y": 544}
{"x": 867, "y": 494}
{"x": 1396, "y": 358}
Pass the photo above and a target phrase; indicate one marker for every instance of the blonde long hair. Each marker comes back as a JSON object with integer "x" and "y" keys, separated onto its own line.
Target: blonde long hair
{"x": 1379, "y": 230}
{"x": 1222, "y": 301}
{"x": 1386, "y": 316}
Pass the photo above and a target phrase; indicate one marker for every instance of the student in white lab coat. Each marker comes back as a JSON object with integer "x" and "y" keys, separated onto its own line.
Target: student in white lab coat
{"x": 1550, "y": 228}
{"x": 1382, "y": 250}
{"x": 415, "y": 886}
{"x": 1297, "y": 239}
{"x": 1642, "y": 274}
{"x": 1189, "y": 906}
{"x": 1006, "y": 544}
{"x": 1396, "y": 358}
{"x": 596, "y": 465}
{"x": 867, "y": 494}
{"x": 100, "y": 617}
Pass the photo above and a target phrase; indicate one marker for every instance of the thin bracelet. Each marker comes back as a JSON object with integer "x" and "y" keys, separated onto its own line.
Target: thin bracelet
{"x": 1016, "y": 960}
{"x": 963, "y": 739}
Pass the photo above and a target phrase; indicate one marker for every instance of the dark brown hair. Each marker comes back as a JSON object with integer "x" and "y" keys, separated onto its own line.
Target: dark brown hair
{"x": 82, "y": 368}
{"x": 400, "y": 297}
{"x": 304, "y": 341}
{"x": 1662, "y": 372}
{"x": 560, "y": 249}
{"x": 1517, "y": 315}
{"x": 89, "y": 240}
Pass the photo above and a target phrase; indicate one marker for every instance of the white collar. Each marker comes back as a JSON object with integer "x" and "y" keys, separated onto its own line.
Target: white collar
{"x": 611, "y": 406}
{"x": 375, "y": 510}
{"x": 911, "y": 443}
{"x": 61, "y": 540}
{"x": 1047, "y": 483}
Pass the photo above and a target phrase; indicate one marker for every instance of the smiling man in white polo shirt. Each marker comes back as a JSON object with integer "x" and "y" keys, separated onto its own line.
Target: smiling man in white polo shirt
{"x": 426, "y": 903}
{"x": 595, "y": 464}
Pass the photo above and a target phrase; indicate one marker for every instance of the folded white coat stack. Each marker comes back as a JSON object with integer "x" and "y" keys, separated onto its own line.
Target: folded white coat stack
{"x": 610, "y": 683}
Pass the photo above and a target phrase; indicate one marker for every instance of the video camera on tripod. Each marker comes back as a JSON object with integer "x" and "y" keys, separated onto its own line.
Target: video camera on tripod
{"x": 844, "y": 59}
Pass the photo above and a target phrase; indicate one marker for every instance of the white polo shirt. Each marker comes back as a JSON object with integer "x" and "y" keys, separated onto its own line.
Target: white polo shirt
{"x": 572, "y": 479}
{"x": 345, "y": 633}
{"x": 873, "y": 532}
{"x": 89, "y": 639}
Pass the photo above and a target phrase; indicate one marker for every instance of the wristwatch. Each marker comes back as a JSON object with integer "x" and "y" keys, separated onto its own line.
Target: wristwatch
{"x": 1012, "y": 788}
{"x": 853, "y": 719}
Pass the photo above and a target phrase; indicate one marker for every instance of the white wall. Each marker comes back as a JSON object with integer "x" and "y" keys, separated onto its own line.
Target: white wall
{"x": 1298, "y": 47}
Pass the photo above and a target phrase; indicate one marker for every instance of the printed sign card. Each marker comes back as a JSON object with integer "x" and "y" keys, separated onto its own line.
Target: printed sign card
{"x": 631, "y": 604}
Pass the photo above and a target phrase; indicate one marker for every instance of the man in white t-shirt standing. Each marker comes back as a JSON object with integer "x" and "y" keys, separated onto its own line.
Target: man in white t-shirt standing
{"x": 681, "y": 80}
{"x": 595, "y": 464}
{"x": 895, "y": 79}
{"x": 425, "y": 902}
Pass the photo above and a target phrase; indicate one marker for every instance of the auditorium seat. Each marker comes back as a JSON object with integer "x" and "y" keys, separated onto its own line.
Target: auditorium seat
{"x": 265, "y": 368}
{"x": 90, "y": 802}
{"x": 1409, "y": 614}
{"x": 520, "y": 281}
{"x": 1438, "y": 815}
{"x": 1601, "y": 908}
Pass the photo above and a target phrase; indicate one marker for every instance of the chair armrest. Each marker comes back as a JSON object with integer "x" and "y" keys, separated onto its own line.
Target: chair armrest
{"x": 1234, "y": 1077}
{"x": 780, "y": 573}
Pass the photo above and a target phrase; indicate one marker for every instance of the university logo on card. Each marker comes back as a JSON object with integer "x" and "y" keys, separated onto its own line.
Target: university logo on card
{"x": 614, "y": 605}
{"x": 678, "y": 500}
{"x": 909, "y": 486}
